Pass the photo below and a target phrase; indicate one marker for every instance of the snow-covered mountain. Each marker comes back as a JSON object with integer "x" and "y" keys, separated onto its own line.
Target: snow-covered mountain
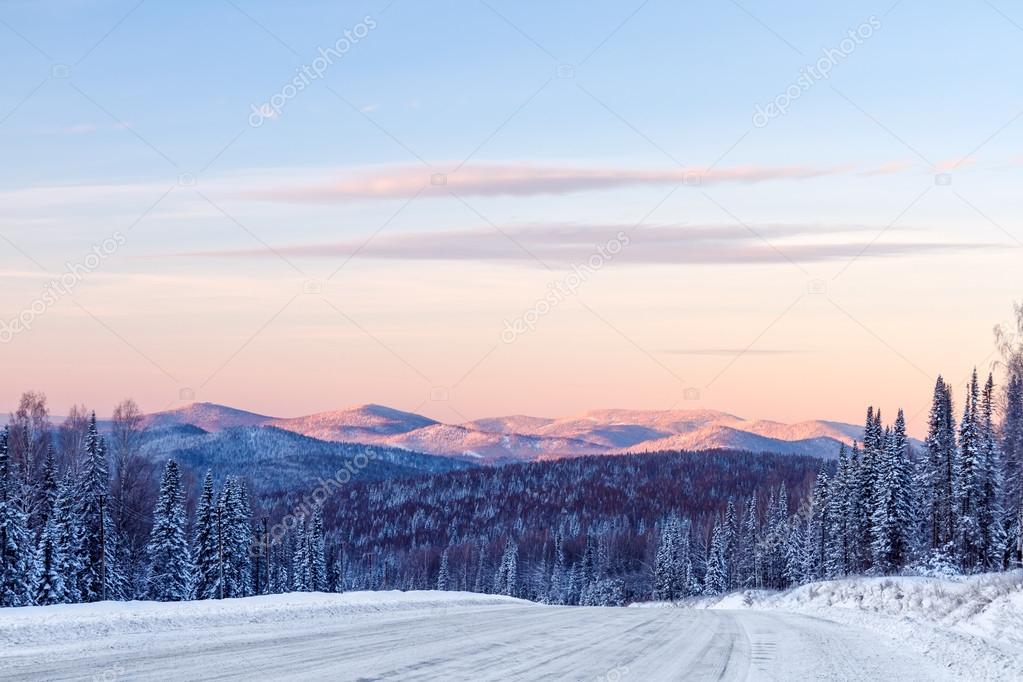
{"x": 276, "y": 459}
{"x": 525, "y": 438}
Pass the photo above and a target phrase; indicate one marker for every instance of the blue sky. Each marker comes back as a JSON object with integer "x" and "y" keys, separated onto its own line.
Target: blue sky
{"x": 135, "y": 116}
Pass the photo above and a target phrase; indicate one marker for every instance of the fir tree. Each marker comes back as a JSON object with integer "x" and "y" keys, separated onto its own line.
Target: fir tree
{"x": 892, "y": 515}
{"x": 300, "y": 558}
{"x": 968, "y": 473}
{"x": 506, "y": 580}
{"x": 715, "y": 579}
{"x": 317, "y": 558}
{"x": 819, "y": 531}
{"x": 205, "y": 546}
{"x": 1012, "y": 470}
{"x": 56, "y": 555}
{"x": 940, "y": 468}
{"x": 93, "y": 486}
{"x": 669, "y": 569}
{"x": 18, "y": 568}
{"x": 443, "y": 579}
{"x": 170, "y": 565}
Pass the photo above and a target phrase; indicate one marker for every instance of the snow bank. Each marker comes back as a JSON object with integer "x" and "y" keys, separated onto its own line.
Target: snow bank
{"x": 973, "y": 625}
{"x": 65, "y": 622}
{"x": 990, "y": 605}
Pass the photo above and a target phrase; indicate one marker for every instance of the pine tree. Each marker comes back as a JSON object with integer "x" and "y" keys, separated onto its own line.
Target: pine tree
{"x": 796, "y": 552}
{"x": 235, "y": 521}
{"x": 968, "y": 472}
{"x": 1012, "y": 470}
{"x": 749, "y": 561}
{"x": 316, "y": 548}
{"x": 892, "y": 514}
{"x": 18, "y": 567}
{"x": 940, "y": 468}
{"x": 205, "y": 546}
{"x": 839, "y": 553}
{"x": 669, "y": 571}
{"x": 170, "y": 565}
{"x": 818, "y": 531}
{"x": 56, "y": 552}
{"x": 97, "y": 553}
{"x": 443, "y": 579}
{"x": 506, "y": 580}
{"x": 559, "y": 572}
{"x": 990, "y": 514}
{"x": 300, "y": 558}
{"x": 715, "y": 579}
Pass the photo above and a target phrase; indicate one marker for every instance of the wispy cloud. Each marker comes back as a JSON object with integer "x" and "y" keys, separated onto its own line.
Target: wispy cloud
{"x": 514, "y": 180}
{"x": 886, "y": 169}
{"x": 733, "y": 351}
{"x": 566, "y": 244}
{"x": 80, "y": 129}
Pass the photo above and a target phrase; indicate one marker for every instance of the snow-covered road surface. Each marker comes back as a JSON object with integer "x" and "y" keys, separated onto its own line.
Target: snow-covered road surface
{"x": 469, "y": 641}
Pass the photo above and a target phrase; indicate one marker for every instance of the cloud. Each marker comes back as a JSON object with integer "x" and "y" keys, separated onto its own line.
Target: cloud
{"x": 402, "y": 181}
{"x": 886, "y": 169}
{"x": 733, "y": 351}
{"x": 80, "y": 129}
{"x": 952, "y": 164}
{"x": 564, "y": 245}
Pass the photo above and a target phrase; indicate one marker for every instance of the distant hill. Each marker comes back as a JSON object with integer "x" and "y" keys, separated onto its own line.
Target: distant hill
{"x": 276, "y": 459}
{"x": 499, "y": 440}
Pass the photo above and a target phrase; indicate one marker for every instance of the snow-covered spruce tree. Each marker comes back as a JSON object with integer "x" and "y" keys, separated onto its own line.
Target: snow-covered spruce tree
{"x": 170, "y": 564}
{"x": 242, "y": 539}
{"x": 18, "y": 567}
{"x": 939, "y": 477}
{"x": 317, "y": 555}
{"x": 818, "y": 531}
{"x": 795, "y": 552}
{"x": 967, "y": 489}
{"x": 443, "y": 579}
{"x": 774, "y": 541}
{"x": 57, "y": 558}
{"x": 892, "y": 515}
{"x": 300, "y": 558}
{"x": 506, "y": 580}
{"x": 96, "y": 546}
{"x": 715, "y": 579}
{"x": 990, "y": 513}
{"x": 205, "y": 545}
{"x": 669, "y": 568}
{"x": 235, "y": 521}
{"x": 1012, "y": 470}
{"x": 559, "y": 571}
{"x": 839, "y": 551}
{"x": 749, "y": 560}
{"x": 731, "y": 549}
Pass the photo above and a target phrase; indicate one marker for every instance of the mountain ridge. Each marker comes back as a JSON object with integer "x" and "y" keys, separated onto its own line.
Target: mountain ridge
{"x": 515, "y": 438}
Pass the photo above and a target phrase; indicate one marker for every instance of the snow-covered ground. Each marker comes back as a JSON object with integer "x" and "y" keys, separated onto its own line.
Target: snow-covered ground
{"x": 972, "y": 625}
{"x": 443, "y": 636}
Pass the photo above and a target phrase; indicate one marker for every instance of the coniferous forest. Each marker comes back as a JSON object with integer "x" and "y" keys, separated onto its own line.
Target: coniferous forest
{"x": 85, "y": 516}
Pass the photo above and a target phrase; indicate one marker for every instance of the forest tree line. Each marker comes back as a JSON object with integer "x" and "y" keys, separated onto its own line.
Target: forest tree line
{"x": 82, "y": 517}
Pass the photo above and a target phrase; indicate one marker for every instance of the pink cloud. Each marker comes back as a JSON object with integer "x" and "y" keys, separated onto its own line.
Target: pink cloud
{"x": 886, "y": 169}
{"x": 559, "y": 244}
{"x": 952, "y": 164}
{"x": 517, "y": 180}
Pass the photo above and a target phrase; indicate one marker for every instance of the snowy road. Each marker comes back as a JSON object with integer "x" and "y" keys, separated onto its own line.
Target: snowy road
{"x": 485, "y": 642}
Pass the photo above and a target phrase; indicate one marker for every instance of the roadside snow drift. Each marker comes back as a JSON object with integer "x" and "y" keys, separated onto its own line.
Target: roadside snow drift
{"x": 970, "y": 624}
{"x": 43, "y": 624}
